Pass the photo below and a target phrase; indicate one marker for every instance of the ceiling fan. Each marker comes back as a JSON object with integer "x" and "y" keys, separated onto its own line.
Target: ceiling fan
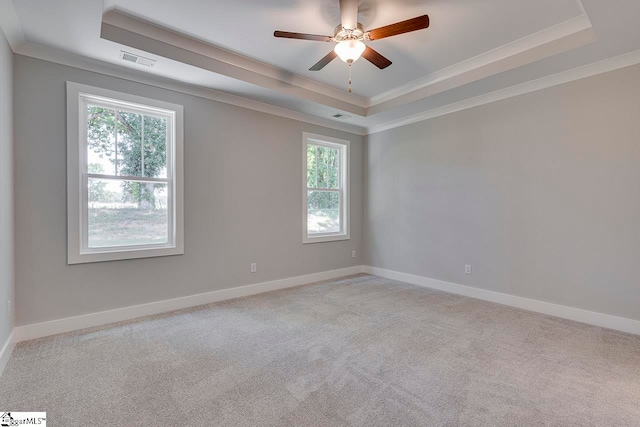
{"x": 350, "y": 37}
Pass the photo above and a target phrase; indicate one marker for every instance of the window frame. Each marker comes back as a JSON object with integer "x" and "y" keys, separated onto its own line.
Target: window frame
{"x": 344, "y": 188}
{"x": 78, "y": 251}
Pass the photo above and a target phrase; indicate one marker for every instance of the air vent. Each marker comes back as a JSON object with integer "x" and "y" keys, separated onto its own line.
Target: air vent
{"x": 137, "y": 59}
{"x": 341, "y": 116}
{"x": 128, "y": 57}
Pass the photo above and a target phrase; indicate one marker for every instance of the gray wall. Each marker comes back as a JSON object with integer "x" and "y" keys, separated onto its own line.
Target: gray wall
{"x": 540, "y": 193}
{"x": 6, "y": 188}
{"x": 243, "y": 196}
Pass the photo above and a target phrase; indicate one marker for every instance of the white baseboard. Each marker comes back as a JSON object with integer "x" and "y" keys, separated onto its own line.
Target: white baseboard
{"x": 6, "y": 351}
{"x": 39, "y": 330}
{"x": 579, "y": 315}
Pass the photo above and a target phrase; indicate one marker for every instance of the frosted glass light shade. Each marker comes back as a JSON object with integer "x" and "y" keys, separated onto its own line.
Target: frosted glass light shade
{"x": 349, "y": 50}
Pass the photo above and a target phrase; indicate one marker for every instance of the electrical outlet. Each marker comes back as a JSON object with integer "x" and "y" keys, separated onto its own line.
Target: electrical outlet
{"x": 9, "y": 309}
{"x": 353, "y": 254}
{"x": 467, "y": 269}
{"x": 254, "y": 267}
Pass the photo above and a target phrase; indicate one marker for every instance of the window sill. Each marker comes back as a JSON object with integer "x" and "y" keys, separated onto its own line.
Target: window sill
{"x": 118, "y": 255}
{"x": 325, "y": 238}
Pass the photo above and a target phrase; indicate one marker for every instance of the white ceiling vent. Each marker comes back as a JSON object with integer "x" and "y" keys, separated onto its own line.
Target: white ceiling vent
{"x": 341, "y": 116}
{"x": 137, "y": 59}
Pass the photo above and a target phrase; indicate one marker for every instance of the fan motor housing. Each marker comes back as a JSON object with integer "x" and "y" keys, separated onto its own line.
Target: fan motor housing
{"x": 342, "y": 34}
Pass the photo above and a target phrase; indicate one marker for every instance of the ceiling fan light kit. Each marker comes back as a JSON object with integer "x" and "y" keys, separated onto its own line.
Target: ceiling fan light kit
{"x": 350, "y": 50}
{"x": 350, "y": 37}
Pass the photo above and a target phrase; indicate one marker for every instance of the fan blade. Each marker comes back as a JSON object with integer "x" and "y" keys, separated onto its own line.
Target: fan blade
{"x": 419, "y": 23}
{"x": 324, "y": 61}
{"x": 349, "y": 14}
{"x": 375, "y": 58}
{"x": 300, "y": 36}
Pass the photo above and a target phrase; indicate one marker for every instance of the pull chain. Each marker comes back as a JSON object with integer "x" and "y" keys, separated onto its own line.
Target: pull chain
{"x": 349, "y": 78}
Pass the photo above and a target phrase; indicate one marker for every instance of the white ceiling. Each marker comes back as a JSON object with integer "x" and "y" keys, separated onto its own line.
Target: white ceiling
{"x": 473, "y": 47}
{"x": 246, "y": 27}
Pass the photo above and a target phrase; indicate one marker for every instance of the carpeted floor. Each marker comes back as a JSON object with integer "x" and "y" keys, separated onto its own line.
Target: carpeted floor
{"x": 361, "y": 351}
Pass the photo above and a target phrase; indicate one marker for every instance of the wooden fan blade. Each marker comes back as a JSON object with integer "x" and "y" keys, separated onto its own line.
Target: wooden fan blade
{"x": 375, "y": 58}
{"x": 349, "y": 14}
{"x": 324, "y": 61}
{"x": 300, "y": 36}
{"x": 419, "y": 23}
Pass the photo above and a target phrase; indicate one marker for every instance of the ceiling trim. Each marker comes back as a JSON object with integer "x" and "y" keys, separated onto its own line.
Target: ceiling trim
{"x": 565, "y": 36}
{"x": 127, "y": 30}
{"x": 589, "y": 70}
{"x": 57, "y": 56}
{"x": 130, "y": 31}
{"x": 10, "y": 24}
{"x": 64, "y": 58}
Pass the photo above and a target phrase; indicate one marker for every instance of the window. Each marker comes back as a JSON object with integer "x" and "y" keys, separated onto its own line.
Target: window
{"x": 124, "y": 176}
{"x": 326, "y": 189}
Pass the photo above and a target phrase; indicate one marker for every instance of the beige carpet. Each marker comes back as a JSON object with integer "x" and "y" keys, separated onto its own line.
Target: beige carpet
{"x": 361, "y": 351}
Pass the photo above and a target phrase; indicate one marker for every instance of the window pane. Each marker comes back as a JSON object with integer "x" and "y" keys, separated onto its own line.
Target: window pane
{"x": 101, "y": 142}
{"x": 155, "y": 147}
{"x": 334, "y": 168}
{"x": 323, "y": 212}
{"x": 311, "y": 166}
{"x": 323, "y": 167}
{"x": 322, "y": 153}
{"x": 127, "y": 213}
{"x": 129, "y": 153}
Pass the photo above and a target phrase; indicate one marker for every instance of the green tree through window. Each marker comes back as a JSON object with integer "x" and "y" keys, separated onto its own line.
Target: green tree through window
{"x": 124, "y": 175}
{"x": 323, "y": 181}
{"x": 134, "y": 145}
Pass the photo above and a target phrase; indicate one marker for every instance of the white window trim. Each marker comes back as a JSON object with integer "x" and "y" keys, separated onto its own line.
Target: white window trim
{"x": 77, "y": 252}
{"x": 345, "y": 177}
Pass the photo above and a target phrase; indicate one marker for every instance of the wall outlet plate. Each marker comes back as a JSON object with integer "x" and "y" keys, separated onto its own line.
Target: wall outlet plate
{"x": 467, "y": 269}
{"x": 254, "y": 267}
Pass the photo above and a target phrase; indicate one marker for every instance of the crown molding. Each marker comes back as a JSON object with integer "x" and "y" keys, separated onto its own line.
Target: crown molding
{"x": 61, "y": 57}
{"x": 10, "y": 25}
{"x": 75, "y": 61}
{"x": 117, "y": 25}
{"x": 127, "y": 30}
{"x": 562, "y": 37}
{"x": 130, "y": 31}
{"x": 57, "y": 56}
{"x": 589, "y": 70}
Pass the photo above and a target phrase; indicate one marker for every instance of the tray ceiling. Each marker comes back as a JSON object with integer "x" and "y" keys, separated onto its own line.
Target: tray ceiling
{"x": 470, "y": 47}
{"x": 459, "y": 30}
